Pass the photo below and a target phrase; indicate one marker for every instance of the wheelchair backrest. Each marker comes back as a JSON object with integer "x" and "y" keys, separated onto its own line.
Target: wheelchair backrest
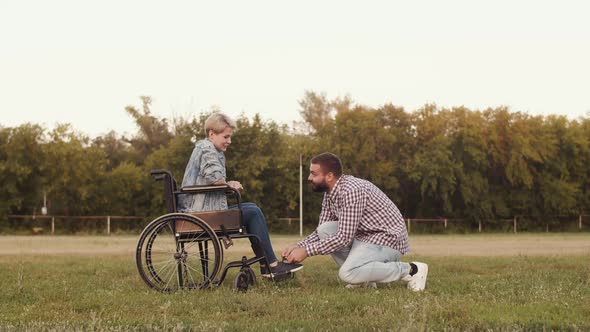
{"x": 169, "y": 187}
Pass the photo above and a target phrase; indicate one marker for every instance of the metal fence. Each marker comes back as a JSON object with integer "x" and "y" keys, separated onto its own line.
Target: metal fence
{"x": 552, "y": 223}
{"x": 38, "y": 228}
{"x": 104, "y": 224}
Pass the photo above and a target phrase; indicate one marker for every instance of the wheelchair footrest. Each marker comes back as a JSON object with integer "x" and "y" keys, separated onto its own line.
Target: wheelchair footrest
{"x": 244, "y": 262}
{"x": 282, "y": 276}
{"x": 227, "y": 241}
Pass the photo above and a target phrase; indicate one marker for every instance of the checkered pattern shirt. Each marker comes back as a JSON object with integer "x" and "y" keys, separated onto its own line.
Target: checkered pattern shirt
{"x": 364, "y": 213}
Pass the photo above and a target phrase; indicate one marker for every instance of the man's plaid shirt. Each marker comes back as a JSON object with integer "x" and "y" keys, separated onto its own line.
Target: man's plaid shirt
{"x": 364, "y": 213}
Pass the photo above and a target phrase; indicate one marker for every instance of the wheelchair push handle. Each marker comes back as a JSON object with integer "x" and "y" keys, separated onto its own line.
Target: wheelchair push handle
{"x": 160, "y": 174}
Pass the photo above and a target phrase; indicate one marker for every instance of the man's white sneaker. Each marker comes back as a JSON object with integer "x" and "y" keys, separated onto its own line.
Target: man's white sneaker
{"x": 417, "y": 282}
{"x": 364, "y": 285}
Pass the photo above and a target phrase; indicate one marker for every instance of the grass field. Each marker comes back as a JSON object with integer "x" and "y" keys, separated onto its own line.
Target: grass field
{"x": 476, "y": 282}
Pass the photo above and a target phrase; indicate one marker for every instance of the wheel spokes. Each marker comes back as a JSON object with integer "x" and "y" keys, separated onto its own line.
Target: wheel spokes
{"x": 169, "y": 255}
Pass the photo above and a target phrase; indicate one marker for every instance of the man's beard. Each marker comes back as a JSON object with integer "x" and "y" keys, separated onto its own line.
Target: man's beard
{"x": 320, "y": 187}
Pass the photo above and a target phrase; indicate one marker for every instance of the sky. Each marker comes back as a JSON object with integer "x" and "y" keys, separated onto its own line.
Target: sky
{"x": 82, "y": 62}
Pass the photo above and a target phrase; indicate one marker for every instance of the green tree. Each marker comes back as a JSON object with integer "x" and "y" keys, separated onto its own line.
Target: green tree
{"x": 432, "y": 167}
{"x": 72, "y": 172}
{"x": 559, "y": 178}
{"x": 477, "y": 165}
{"x": 117, "y": 150}
{"x": 468, "y": 132}
{"x": 315, "y": 111}
{"x": 153, "y": 131}
{"x": 122, "y": 191}
{"x": 21, "y": 169}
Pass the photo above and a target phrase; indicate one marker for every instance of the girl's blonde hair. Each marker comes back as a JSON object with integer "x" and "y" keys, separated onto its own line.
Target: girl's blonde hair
{"x": 218, "y": 122}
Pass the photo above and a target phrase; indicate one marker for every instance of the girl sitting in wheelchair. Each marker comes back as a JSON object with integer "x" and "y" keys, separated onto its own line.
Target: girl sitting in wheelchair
{"x": 206, "y": 166}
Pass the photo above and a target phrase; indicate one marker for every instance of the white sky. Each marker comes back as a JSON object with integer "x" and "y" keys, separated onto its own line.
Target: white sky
{"x": 82, "y": 62}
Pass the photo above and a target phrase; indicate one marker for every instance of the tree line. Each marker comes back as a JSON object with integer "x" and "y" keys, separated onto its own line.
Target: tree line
{"x": 475, "y": 165}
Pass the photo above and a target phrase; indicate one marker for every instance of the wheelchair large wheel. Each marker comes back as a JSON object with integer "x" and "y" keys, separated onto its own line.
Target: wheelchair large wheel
{"x": 178, "y": 251}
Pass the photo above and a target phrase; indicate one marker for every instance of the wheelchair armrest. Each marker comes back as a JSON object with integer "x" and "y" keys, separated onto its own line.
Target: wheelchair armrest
{"x": 200, "y": 189}
{"x": 208, "y": 188}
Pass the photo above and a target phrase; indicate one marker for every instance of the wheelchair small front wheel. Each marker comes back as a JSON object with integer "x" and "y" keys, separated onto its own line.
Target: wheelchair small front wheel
{"x": 251, "y": 276}
{"x": 178, "y": 251}
{"x": 241, "y": 282}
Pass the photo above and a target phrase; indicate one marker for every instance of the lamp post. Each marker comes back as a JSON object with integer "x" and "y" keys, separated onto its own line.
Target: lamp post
{"x": 44, "y": 208}
{"x": 300, "y": 195}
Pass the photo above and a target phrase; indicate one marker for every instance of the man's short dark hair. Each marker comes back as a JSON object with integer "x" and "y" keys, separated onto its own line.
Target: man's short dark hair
{"x": 328, "y": 162}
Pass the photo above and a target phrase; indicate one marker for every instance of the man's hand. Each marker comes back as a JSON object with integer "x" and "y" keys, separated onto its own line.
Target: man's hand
{"x": 288, "y": 250}
{"x": 296, "y": 255}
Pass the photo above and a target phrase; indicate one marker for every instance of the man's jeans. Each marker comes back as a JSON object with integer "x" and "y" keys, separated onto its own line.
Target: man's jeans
{"x": 255, "y": 223}
{"x": 365, "y": 262}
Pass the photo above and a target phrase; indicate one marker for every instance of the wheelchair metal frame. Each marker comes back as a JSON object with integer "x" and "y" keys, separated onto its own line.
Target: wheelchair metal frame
{"x": 166, "y": 256}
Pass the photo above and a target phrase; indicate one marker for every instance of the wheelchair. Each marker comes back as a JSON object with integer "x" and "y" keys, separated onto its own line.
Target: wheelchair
{"x": 185, "y": 250}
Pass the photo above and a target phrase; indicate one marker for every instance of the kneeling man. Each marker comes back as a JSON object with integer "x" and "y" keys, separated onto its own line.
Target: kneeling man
{"x": 360, "y": 227}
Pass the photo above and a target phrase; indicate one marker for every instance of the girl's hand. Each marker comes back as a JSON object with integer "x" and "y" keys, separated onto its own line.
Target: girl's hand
{"x": 235, "y": 184}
